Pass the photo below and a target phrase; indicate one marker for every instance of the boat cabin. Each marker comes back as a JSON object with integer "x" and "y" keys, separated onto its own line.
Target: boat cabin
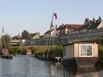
{"x": 84, "y": 53}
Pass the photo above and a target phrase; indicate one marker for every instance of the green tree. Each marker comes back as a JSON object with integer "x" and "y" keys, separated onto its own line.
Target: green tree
{"x": 26, "y": 35}
{"x": 86, "y": 22}
{"x": 6, "y": 41}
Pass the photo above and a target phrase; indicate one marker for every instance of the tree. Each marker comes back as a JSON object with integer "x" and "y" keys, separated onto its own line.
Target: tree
{"x": 6, "y": 41}
{"x": 86, "y": 22}
{"x": 26, "y": 35}
{"x": 100, "y": 19}
{"x": 94, "y": 20}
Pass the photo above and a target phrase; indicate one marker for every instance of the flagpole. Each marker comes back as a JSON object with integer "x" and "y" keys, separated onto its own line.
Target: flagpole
{"x": 48, "y": 42}
{"x": 51, "y": 21}
{"x": 49, "y": 38}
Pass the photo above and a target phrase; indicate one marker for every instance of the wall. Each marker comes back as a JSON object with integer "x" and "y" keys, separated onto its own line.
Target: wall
{"x": 95, "y": 49}
{"x": 76, "y": 50}
{"x": 68, "y": 51}
{"x": 73, "y": 50}
{"x": 37, "y": 36}
{"x": 100, "y": 25}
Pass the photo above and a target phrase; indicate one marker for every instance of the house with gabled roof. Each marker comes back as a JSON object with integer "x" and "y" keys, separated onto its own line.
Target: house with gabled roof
{"x": 65, "y": 28}
{"x": 52, "y": 32}
{"x": 35, "y": 35}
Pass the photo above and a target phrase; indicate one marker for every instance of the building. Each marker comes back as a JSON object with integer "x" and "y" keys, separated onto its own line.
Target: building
{"x": 35, "y": 35}
{"x": 100, "y": 25}
{"x": 17, "y": 40}
{"x": 65, "y": 28}
{"x": 47, "y": 34}
{"x": 52, "y": 32}
{"x": 84, "y": 53}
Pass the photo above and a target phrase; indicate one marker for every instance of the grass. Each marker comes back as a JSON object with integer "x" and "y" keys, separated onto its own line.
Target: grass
{"x": 37, "y": 48}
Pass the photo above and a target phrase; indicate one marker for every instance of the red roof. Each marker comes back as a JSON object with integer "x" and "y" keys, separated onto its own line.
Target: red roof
{"x": 84, "y": 27}
{"x": 63, "y": 26}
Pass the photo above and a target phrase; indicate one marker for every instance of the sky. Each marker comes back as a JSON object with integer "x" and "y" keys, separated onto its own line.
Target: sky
{"x": 35, "y": 15}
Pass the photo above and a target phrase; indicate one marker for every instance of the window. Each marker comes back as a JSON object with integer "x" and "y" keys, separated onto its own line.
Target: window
{"x": 85, "y": 50}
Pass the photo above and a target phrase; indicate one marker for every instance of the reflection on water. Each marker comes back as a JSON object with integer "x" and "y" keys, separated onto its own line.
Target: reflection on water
{"x": 55, "y": 70}
{"x": 26, "y": 66}
{"x": 5, "y": 67}
{"x": 81, "y": 72}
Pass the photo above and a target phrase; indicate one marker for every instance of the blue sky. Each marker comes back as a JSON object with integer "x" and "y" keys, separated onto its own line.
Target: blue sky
{"x": 35, "y": 15}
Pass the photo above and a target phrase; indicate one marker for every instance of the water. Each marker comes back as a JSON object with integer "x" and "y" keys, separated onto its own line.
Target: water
{"x": 26, "y": 66}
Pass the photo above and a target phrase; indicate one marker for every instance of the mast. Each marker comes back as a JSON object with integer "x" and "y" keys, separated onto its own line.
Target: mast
{"x": 2, "y": 39}
{"x": 20, "y": 42}
{"x": 51, "y": 28}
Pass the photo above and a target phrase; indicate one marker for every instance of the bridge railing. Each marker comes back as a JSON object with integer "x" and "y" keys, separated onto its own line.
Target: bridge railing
{"x": 82, "y": 32}
{"x": 83, "y": 35}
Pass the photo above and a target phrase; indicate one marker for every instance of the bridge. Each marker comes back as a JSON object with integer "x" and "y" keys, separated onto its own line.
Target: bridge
{"x": 76, "y": 36}
{"x": 86, "y": 35}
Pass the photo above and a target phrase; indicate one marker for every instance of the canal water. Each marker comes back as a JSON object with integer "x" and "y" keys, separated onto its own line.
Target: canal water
{"x": 26, "y": 66}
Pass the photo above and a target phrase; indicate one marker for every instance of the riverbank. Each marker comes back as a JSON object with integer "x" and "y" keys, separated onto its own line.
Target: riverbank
{"x": 40, "y": 52}
{"x": 52, "y": 59}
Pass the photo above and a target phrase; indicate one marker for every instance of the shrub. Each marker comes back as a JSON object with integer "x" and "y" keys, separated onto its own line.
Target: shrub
{"x": 15, "y": 50}
{"x": 100, "y": 53}
{"x": 32, "y": 49}
{"x": 55, "y": 51}
{"x": 100, "y": 50}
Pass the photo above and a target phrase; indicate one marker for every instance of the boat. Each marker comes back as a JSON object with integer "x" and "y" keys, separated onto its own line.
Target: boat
{"x": 28, "y": 51}
{"x": 6, "y": 56}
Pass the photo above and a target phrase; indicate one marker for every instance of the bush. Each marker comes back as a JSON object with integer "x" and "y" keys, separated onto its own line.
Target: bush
{"x": 100, "y": 54}
{"x": 15, "y": 50}
{"x": 101, "y": 50}
{"x": 32, "y": 49}
{"x": 55, "y": 51}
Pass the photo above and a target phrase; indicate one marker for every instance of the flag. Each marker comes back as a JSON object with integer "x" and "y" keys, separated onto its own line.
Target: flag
{"x": 55, "y": 15}
{"x": 2, "y": 29}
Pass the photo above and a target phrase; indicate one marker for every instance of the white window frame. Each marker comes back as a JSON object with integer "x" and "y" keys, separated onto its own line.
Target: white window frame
{"x": 86, "y": 52}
